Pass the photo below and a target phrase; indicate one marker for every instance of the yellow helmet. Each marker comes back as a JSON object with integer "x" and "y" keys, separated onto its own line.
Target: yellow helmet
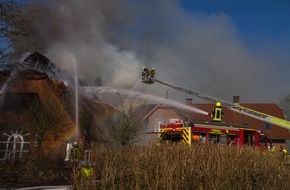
{"x": 218, "y": 104}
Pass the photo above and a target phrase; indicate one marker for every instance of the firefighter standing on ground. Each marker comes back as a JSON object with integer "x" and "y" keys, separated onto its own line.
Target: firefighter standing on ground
{"x": 75, "y": 153}
{"x": 283, "y": 152}
{"x": 272, "y": 149}
{"x": 217, "y": 113}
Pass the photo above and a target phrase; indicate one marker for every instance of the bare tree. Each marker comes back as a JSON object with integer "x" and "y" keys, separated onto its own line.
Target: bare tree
{"x": 88, "y": 125}
{"x": 49, "y": 119}
{"x": 123, "y": 127}
{"x": 12, "y": 26}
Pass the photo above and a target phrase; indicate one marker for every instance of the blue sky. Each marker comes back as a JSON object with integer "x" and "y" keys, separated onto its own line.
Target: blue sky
{"x": 257, "y": 21}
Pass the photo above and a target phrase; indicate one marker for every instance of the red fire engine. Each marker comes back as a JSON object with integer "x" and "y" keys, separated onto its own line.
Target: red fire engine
{"x": 212, "y": 133}
{"x": 216, "y": 132}
{"x": 150, "y": 79}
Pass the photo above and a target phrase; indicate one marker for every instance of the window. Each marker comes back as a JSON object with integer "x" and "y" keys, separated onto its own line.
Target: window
{"x": 245, "y": 125}
{"x": 267, "y": 126}
{"x": 14, "y": 146}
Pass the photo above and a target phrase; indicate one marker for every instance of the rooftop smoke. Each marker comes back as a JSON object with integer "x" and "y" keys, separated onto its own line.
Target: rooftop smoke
{"x": 113, "y": 39}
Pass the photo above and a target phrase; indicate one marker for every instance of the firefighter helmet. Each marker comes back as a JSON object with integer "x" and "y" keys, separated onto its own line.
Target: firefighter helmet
{"x": 218, "y": 104}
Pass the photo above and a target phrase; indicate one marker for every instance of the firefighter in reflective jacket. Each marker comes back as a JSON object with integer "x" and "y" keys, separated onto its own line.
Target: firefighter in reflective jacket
{"x": 152, "y": 72}
{"x": 145, "y": 73}
{"x": 75, "y": 153}
{"x": 283, "y": 152}
{"x": 217, "y": 113}
{"x": 87, "y": 171}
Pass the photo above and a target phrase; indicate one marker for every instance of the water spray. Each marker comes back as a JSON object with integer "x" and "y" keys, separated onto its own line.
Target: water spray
{"x": 76, "y": 97}
{"x": 134, "y": 94}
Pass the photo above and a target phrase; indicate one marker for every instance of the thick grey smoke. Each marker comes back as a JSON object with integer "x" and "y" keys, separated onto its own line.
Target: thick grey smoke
{"x": 115, "y": 38}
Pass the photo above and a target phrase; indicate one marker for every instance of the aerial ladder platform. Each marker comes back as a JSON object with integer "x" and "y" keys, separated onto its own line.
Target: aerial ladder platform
{"x": 150, "y": 79}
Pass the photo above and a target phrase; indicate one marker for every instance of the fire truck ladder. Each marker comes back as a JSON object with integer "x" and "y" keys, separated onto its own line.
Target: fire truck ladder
{"x": 234, "y": 107}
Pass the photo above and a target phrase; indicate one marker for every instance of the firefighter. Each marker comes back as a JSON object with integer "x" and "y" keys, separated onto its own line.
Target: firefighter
{"x": 152, "y": 72}
{"x": 145, "y": 74}
{"x": 272, "y": 149}
{"x": 75, "y": 153}
{"x": 283, "y": 152}
{"x": 186, "y": 122}
{"x": 87, "y": 171}
{"x": 217, "y": 113}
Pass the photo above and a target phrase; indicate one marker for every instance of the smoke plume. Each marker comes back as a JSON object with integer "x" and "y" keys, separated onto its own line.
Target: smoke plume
{"x": 114, "y": 39}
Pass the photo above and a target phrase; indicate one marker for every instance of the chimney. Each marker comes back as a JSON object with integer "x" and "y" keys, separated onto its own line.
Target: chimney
{"x": 188, "y": 101}
{"x": 236, "y": 99}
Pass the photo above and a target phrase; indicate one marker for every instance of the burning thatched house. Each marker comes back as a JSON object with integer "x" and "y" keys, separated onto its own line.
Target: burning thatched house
{"x": 37, "y": 110}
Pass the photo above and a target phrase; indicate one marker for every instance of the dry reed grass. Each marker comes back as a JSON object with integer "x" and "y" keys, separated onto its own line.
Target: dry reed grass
{"x": 198, "y": 167}
{"x": 167, "y": 166}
